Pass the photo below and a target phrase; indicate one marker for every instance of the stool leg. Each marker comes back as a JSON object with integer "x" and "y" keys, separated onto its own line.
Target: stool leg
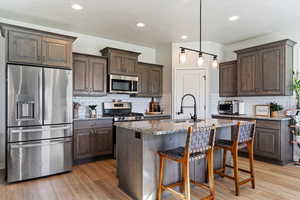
{"x": 210, "y": 167}
{"x": 182, "y": 178}
{"x": 236, "y": 171}
{"x": 224, "y": 160}
{"x": 186, "y": 180}
{"x": 161, "y": 176}
{"x": 251, "y": 162}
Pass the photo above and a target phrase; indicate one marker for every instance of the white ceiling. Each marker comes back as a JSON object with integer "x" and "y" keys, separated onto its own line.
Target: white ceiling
{"x": 166, "y": 20}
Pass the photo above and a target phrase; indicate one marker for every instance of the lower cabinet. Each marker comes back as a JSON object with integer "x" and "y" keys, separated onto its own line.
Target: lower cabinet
{"x": 267, "y": 143}
{"x": 271, "y": 142}
{"x": 92, "y": 139}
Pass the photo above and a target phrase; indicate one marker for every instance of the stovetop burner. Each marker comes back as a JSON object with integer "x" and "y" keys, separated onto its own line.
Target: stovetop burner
{"x": 121, "y": 111}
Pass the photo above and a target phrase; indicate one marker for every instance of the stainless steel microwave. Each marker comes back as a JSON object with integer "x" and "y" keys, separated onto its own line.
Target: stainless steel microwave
{"x": 123, "y": 84}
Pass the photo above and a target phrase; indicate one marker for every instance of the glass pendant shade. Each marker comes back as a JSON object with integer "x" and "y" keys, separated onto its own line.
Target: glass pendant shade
{"x": 182, "y": 57}
{"x": 215, "y": 63}
{"x": 200, "y": 60}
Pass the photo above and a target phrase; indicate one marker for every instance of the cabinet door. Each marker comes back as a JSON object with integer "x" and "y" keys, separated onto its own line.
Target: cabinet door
{"x": 247, "y": 64}
{"x": 82, "y": 144}
{"x": 24, "y": 47}
{"x": 98, "y": 75}
{"x": 155, "y": 80}
{"x": 143, "y": 84}
{"x": 129, "y": 65}
{"x": 116, "y": 62}
{"x": 270, "y": 72}
{"x": 102, "y": 141}
{"x": 57, "y": 52}
{"x": 267, "y": 143}
{"x": 80, "y": 75}
{"x": 228, "y": 79}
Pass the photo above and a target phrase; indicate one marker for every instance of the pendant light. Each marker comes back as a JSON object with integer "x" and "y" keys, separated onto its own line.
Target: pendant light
{"x": 215, "y": 63}
{"x": 182, "y": 56}
{"x": 200, "y": 61}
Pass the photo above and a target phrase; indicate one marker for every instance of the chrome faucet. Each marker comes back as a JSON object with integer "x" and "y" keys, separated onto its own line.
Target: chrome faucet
{"x": 193, "y": 117}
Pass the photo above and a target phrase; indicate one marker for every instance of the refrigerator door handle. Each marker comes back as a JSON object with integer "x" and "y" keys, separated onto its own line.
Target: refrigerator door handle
{"x": 37, "y": 144}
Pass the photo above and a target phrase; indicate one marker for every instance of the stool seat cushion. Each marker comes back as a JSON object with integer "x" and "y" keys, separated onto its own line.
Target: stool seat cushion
{"x": 178, "y": 153}
{"x": 228, "y": 144}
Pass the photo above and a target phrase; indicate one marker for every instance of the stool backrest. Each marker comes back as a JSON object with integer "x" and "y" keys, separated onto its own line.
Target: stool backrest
{"x": 199, "y": 140}
{"x": 245, "y": 131}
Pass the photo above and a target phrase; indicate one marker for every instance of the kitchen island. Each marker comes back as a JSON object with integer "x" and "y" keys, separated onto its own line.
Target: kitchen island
{"x": 137, "y": 159}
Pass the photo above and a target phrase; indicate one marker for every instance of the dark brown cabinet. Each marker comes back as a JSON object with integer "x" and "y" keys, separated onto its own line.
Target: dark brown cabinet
{"x": 28, "y": 46}
{"x": 82, "y": 144}
{"x": 92, "y": 138}
{"x": 150, "y": 79}
{"x": 247, "y": 66}
{"x": 89, "y": 75}
{"x": 228, "y": 79}
{"x": 272, "y": 140}
{"x": 102, "y": 141}
{"x": 266, "y": 70}
{"x": 120, "y": 61}
{"x": 57, "y": 52}
{"x": 24, "y": 47}
{"x": 267, "y": 143}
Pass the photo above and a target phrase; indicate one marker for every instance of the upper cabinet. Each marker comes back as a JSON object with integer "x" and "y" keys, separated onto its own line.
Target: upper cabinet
{"x": 57, "y": 52}
{"x": 28, "y": 46}
{"x": 150, "y": 80}
{"x": 265, "y": 70}
{"x": 121, "y": 62}
{"x": 228, "y": 79}
{"x": 89, "y": 75}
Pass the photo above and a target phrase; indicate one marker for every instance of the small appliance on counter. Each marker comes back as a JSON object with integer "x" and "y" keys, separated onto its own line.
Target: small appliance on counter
{"x": 231, "y": 107}
{"x": 76, "y": 106}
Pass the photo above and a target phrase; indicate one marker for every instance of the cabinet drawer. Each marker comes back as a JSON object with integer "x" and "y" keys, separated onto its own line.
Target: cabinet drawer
{"x": 268, "y": 124}
{"x": 86, "y": 124}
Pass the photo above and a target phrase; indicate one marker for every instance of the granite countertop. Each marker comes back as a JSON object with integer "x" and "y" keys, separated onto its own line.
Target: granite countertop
{"x": 161, "y": 127}
{"x": 157, "y": 115}
{"x": 99, "y": 117}
{"x": 280, "y": 118}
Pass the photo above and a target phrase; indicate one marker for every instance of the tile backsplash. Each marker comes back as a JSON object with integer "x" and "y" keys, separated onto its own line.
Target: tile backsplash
{"x": 286, "y": 101}
{"x": 138, "y": 104}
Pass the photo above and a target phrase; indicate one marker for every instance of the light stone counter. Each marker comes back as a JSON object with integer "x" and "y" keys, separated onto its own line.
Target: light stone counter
{"x": 162, "y": 127}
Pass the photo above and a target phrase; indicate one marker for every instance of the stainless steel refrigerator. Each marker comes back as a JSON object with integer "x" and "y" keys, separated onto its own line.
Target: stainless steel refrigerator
{"x": 39, "y": 122}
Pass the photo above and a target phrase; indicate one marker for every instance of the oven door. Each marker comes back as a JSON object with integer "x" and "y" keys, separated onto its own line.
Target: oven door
{"x": 123, "y": 84}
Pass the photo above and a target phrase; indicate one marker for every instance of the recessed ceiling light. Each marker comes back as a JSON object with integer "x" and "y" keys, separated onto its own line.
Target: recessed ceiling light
{"x": 140, "y": 25}
{"x": 184, "y": 37}
{"x": 233, "y": 18}
{"x": 77, "y": 7}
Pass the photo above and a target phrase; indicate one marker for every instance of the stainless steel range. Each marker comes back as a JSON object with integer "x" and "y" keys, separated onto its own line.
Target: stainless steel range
{"x": 39, "y": 122}
{"x": 121, "y": 112}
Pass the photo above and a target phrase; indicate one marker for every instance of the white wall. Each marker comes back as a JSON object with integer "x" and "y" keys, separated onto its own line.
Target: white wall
{"x": 287, "y": 102}
{"x": 213, "y": 74}
{"x": 89, "y": 45}
{"x": 164, "y": 57}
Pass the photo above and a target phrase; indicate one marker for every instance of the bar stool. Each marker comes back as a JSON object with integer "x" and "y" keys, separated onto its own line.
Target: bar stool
{"x": 199, "y": 145}
{"x": 243, "y": 137}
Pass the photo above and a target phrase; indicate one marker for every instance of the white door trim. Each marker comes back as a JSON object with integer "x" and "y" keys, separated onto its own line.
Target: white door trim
{"x": 174, "y": 73}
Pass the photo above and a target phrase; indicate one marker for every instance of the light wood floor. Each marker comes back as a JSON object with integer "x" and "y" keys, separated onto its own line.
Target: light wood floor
{"x": 97, "y": 181}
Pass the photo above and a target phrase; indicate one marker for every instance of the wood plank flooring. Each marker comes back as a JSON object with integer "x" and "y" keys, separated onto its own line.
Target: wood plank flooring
{"x": 97, "y": 181}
